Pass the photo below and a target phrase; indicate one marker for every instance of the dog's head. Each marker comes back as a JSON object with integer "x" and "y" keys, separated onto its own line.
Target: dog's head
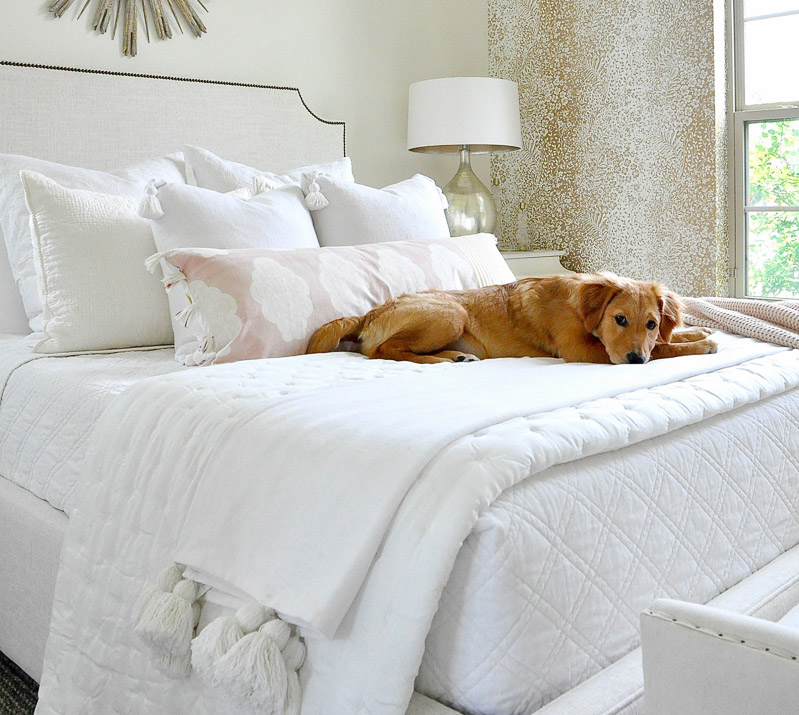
{"x": 629, "y": 317}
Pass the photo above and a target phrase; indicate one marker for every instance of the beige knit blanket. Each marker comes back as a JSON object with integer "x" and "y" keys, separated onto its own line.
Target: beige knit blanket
{"x": 770, "y": 321}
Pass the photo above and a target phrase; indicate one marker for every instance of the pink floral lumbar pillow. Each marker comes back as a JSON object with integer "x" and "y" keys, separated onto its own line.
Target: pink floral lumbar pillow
{"x": 246, "y": 304}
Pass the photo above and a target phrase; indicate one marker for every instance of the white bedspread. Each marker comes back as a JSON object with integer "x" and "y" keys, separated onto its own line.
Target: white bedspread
{"x": 128, "y": 523}
{"x": 49, "y": 405}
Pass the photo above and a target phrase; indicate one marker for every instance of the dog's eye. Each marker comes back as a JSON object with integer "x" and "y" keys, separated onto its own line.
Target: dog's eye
{"x": 621, "y": 320}
{"x": 651, "y": 325}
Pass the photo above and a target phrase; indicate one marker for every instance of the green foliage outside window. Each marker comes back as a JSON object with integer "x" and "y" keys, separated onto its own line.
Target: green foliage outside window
{"x": 773, "y": 236}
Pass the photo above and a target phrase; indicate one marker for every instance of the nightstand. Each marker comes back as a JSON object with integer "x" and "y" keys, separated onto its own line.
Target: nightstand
{"x": 535, "y": 264}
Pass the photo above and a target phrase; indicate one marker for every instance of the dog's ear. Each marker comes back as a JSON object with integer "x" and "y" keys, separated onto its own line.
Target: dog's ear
{"x": 593, "y": 298}
{"x": 671, "y": 308}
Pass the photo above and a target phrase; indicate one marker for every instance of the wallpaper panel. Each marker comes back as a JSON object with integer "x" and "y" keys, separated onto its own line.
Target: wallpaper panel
{"x": 618, "y": 102}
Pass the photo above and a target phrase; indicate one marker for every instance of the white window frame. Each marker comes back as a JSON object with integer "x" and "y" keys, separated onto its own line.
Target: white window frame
{"x": 742, "y": 114}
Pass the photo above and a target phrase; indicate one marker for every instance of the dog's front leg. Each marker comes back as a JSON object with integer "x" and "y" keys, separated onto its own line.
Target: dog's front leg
{"x": 699, "y": 347}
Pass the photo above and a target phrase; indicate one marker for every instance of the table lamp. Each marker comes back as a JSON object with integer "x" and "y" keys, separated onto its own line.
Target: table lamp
{"x": 465, "y": 115}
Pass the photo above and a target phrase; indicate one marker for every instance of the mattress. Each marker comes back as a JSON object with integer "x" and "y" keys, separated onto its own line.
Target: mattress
{"x": 48, "y": 406}
{"x": 548, "y": 588}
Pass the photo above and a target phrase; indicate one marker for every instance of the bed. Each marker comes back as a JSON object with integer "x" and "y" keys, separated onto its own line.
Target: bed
{"x": 689, "y": 490}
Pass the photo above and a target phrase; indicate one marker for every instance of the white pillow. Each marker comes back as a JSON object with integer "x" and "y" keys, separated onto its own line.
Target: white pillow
{"x": 211, "y": 172}
{"x": 12, "y": 313}
{"x": 410, "y": 210}
{"x": 15, "y": 221}
{"x": 204, "y": 219}
{"x": 90, "y": 251}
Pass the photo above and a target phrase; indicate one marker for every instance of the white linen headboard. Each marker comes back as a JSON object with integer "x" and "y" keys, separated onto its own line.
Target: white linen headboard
{"x": 108, "y": 120}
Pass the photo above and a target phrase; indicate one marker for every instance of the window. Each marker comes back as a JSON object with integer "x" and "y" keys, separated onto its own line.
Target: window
{"x": 766, "y": 152}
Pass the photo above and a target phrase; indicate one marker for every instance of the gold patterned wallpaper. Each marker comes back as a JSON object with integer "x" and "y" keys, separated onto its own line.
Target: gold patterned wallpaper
{"x": 624, "y": 164}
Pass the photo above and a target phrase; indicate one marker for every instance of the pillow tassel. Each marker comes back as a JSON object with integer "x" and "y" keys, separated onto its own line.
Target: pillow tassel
{"x": 150, "y": 206}
{"x": 152, "y": 263}
{"x": 261, "y": 184}
{"x": 315, "y": 199}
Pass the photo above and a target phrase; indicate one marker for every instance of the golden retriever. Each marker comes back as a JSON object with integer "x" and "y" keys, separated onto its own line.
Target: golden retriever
{"x": 598, "y": 318}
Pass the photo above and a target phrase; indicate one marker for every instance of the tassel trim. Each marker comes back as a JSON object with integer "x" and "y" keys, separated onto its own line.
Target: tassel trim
{"x": 315, "y": 199}
{"x": 251, "y": 658}
{"x": 150, "y": 206}
{"x": 261, "y": 184}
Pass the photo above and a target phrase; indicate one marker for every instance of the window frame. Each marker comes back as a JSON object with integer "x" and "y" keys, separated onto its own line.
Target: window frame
{"x": 742, "y": 114}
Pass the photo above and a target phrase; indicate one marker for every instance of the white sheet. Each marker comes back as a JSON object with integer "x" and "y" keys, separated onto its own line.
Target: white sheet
{"x": 49, "y": 405}
{"x": 371, "y": 663}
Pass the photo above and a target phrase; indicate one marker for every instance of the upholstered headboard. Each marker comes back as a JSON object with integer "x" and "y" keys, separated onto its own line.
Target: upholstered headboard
{"x": 107, "y": 120}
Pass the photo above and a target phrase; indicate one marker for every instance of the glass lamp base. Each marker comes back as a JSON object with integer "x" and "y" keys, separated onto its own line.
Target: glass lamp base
{"x": 471, "y": 205}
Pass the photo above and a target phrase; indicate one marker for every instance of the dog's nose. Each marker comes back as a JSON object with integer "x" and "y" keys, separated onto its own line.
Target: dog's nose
{"x": 635, "y": 358}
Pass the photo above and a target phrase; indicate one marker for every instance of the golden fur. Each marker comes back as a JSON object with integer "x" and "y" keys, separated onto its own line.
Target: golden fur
{"x": 599, "y": 318}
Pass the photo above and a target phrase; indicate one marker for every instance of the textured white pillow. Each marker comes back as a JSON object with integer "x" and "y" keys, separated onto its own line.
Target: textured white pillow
{"x": 212, "y": 172}
{"x": 90, "y": 251}
{"x": 410, "y": 210}
{"x": 15, "y": 222}
{"x": 205, "y": 219}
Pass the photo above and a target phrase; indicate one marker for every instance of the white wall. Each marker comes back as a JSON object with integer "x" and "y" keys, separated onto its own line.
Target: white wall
{"x": 352, "y": 60}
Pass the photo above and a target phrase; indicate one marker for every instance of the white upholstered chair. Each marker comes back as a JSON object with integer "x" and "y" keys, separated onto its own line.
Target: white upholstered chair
{"x": 699, "y": 659}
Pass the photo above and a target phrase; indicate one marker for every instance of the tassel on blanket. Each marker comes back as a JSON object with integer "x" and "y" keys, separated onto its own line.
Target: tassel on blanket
{"x": 253, "y": 659}
{"x": 186, "y": 315}
{"x": 206, "y": 351}
{"x": 150, "y": 206}
{"x": 168, "y": 615}
{"x": 315, "y": 199}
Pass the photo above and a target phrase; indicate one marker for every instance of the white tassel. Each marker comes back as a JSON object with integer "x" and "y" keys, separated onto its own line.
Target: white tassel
{"x": 152, "y": 263}
{"x": 171, "y": 665}
{"x": 167, "y": 620}
{"x": 216, "y": 639}
{"x": 170, "y": 280}
{"x": 150, "y": 206}
{"x": 442, "y": 197}
{"x": 261, "y": 184}
{"x": 253, "y": 670}
{"x": 315, "y": 199}
{"x": 187, "y": 315}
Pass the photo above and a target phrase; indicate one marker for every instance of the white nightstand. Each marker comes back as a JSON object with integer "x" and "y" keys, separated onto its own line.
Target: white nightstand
{"x": 535, "y": 264}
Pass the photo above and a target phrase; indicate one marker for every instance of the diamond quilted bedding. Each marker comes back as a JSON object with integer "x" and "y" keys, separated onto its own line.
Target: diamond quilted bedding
{"x": 547, "y": 589}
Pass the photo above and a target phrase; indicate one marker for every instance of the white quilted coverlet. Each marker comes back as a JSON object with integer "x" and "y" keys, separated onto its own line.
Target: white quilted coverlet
{"x": 548, "y": 588}
{"x": 93, "y": 664}
{"x": 49, "y": 405}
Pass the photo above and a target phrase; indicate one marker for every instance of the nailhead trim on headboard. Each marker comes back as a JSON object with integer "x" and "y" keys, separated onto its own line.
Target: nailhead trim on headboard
{"x": 185, "y": 79}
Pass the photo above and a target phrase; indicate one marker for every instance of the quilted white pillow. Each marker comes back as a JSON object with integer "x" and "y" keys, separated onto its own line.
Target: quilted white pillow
{"x": 212, "y": 172}
{"x": 410, "y": 210}
{"x": 15, "y": 221}
{"x": 204, "y": 219}
{"x": 90, "y": 251}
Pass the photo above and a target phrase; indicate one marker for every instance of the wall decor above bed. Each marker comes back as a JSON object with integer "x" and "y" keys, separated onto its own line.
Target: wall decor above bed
{"x": 123, "y": 15}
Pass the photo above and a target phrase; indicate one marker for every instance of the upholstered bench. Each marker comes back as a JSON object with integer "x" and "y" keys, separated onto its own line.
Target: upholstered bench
{"x": 700, "y": 659}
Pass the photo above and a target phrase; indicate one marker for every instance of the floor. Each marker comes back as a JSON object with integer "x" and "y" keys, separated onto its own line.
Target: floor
{"x": 17, "y": 690}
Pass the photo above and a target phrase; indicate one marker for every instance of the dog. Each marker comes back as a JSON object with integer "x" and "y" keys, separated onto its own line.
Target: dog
{"x": 596, "y": 318}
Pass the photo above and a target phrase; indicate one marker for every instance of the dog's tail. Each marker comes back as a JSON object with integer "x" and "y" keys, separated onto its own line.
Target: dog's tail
{"x": 327, "y": 338}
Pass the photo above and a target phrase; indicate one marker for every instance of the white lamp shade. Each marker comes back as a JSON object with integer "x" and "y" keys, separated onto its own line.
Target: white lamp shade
{"x": 481, "y": 113}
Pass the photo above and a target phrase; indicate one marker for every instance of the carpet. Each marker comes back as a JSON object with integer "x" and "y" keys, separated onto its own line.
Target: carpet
{"x": 17, "y": 690}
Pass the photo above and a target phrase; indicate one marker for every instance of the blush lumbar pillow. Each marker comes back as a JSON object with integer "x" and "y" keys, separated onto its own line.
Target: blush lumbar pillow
{"x": 250, "y": 304}
{"x": 89, "y": 251}
{"x": 212, "y": 172}
{"x": 14, "y": 218}
{"x": 192, "y": 217}
{"x": 352, "y": 214}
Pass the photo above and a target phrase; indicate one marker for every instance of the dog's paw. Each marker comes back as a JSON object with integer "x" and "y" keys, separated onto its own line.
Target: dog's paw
{"x": 467, "y": 357}
{"x": 712, "y": 347}
{"x": 705, "y": 332}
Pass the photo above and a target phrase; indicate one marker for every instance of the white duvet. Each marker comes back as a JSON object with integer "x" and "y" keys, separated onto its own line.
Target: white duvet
{"x": 270, "y": 461}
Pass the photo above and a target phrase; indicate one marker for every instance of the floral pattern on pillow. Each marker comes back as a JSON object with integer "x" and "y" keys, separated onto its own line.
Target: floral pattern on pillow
{"x": 264, "y": 303}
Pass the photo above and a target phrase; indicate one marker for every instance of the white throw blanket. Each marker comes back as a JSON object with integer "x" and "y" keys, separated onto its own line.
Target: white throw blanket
{"x": 280, "y": 480}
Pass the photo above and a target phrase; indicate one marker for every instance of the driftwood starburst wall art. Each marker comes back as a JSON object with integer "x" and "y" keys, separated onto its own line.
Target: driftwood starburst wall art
{"x": 162, "y": 19}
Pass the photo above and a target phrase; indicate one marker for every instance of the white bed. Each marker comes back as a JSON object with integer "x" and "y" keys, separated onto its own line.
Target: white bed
{"x": 545, "y": 593}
